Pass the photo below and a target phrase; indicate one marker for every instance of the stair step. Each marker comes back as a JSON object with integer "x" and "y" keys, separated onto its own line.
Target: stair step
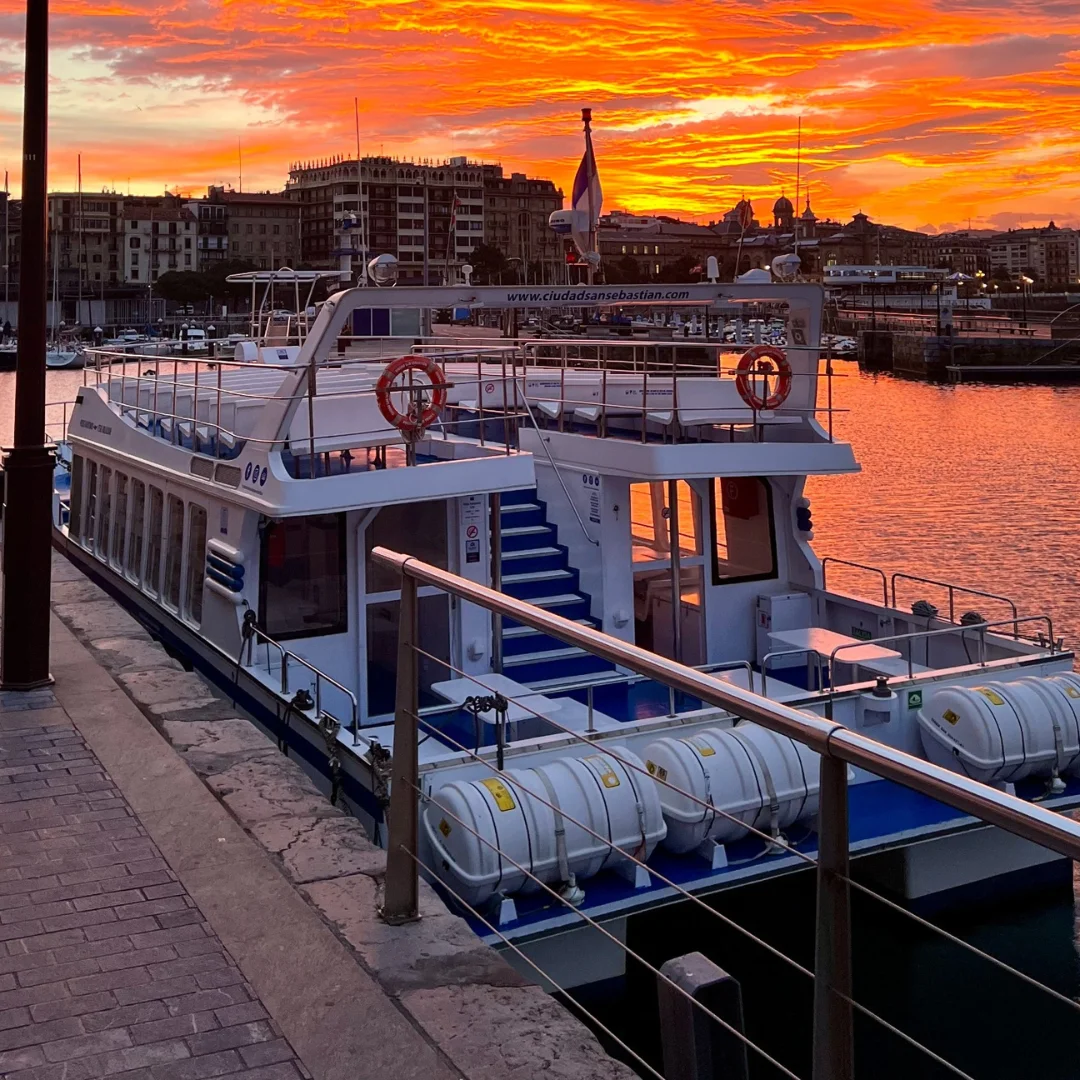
{"x": 526, "y": 530}
{"x": 565, "y": 653}
{"x": 530, "y": 553}
{"x": 537, "y": 575}
{"x": 519, "y": 508}
{"x": 524, "y": 631}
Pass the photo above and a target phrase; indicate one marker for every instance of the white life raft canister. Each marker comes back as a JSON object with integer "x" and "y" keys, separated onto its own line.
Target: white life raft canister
{"x": 609, "y": 794}
{"x": 1005, "y": 731}
{"x": 757, "y": 777}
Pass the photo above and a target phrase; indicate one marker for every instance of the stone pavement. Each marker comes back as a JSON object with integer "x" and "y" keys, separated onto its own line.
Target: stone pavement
{"x": 107, "y": 967}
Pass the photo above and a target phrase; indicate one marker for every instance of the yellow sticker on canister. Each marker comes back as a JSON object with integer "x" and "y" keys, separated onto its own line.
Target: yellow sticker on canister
{"x": 949, "y": 716}
{"x": 444, "y": 827}
{"x": 991, "y": 695}
{"x": 700, "y": 745}
{"x": 1072, "y": 691}
{"x": 608, "y": 777}
{"x": 500, "y": 793}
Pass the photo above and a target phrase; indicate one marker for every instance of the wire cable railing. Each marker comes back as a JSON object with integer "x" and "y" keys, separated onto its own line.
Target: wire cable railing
{"x": 834, "y": 1001}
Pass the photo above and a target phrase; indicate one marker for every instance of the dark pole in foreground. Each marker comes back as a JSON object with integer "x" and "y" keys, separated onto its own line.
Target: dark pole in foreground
{"x": 28, "y": 465}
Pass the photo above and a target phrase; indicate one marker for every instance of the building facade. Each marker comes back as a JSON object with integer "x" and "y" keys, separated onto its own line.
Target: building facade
{"x": 85, "y": 234}
{"x": 425, "y": 213}
{"x": 263, "y": 228}
{"x": 1050, "y": 256}
{"x": 158, "y": 240}
{"x": 516, "y": 212}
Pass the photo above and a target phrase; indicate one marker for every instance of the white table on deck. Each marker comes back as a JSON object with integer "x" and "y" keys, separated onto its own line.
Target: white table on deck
{"x": 816, "y": 639}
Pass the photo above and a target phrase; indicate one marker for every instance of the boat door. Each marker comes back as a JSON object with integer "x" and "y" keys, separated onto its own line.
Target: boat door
{"x": 669, "y": 560}
{"x": 420, "y": 529}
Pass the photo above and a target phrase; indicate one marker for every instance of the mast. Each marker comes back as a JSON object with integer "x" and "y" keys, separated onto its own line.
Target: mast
{"x": 798, "y": 179}
{"x": 78, "y": 293}
{"x": 7, "y": 245}
{"x": 586, "y": 119}
{"x": 360, "y": 197}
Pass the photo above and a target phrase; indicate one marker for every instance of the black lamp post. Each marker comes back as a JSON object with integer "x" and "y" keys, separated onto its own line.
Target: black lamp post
{"x": 28, "y": 464}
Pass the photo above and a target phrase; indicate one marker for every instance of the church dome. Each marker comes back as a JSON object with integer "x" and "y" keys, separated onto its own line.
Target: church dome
{"x": 783, "y": 206}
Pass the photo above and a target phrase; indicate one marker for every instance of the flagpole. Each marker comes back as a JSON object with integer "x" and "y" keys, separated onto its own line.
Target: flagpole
{"x": 586, "y": 118}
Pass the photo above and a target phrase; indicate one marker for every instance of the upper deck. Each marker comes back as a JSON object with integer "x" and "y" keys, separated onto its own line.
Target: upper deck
{"x": 300, "y": 429}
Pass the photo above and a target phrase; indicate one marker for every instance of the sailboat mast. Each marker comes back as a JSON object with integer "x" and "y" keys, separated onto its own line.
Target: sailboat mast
{"x": 78, "y": 293}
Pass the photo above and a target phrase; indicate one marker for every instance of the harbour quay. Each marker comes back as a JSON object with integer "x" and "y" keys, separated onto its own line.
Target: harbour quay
{"x": 126, "y": 947}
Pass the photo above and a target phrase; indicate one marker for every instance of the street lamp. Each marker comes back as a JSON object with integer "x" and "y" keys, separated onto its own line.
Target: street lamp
{"x": 1024, "y": 283}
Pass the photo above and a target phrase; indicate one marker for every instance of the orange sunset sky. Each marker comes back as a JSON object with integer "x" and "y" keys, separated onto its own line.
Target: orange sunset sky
{"x": 924, "y": 113}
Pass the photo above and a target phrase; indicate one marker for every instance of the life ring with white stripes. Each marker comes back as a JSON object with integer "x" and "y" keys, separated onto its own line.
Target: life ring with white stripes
{"x": 763, "y": 362}
{"x": 420, "y": 414}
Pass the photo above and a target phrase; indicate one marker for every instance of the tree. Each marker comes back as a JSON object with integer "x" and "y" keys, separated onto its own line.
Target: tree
{"x": 1000, "y": 273}
{"x": 679, "y": 269}
{"x": 624, "y": 271}
{"x": 182, "y": 287}
{"x": 488, "y": 263}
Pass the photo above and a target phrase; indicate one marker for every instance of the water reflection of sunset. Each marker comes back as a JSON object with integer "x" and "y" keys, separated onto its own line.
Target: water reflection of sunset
{"x": 972, "y": 484}
{"x": 922, "y": 111}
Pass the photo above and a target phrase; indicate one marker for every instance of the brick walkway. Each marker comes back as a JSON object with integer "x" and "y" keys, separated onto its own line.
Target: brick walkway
{"x": 107, "y": 968}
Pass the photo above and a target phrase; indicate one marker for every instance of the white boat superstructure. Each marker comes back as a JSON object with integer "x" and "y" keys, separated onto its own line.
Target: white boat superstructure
{"x": 653, "y": 490}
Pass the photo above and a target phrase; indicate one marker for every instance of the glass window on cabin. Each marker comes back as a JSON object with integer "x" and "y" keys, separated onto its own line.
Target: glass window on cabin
{"x": 650, "y": 529}
{"x": 302, "y": 586}
{"x": 101, "y": 544}
{"x": 120, "y": 522}
{"x": 135, "y": 544}
{"x": 196, "y": 562}
{"x": 174, "y": 552}
{"x": 417, "y": 529}
{"x": 153, "y": 552}
{"x": 91, "y": 506}
{"x": 744, "y": 540}
{"x": 75, "y": 497}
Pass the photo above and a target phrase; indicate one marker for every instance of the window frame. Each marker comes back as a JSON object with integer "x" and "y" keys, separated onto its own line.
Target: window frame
{"x": 341, "y": 627}
{"x": 136, "y": 507}
{"x": 154, "y": 538}
{"x": 194, "y": 568}
{"x": 714, "y": 559}
{"x": 173, "y": 504}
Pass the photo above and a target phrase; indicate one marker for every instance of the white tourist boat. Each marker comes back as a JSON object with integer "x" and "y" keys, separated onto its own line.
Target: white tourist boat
{"x": 653, "y": 490}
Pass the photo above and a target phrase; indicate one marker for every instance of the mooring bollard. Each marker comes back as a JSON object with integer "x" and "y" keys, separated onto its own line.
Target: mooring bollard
{"x": 695, "y": 1046}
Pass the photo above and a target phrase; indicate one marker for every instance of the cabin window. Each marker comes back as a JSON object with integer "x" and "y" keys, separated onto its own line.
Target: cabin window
{"x": 302, "y": 586}
{"x": 174, "y": 552}
{"x": 433, "y": 628}
{"x": 153, "y": 556}
{"x": 91, "y": 507}
{"x": 75, "y": 497}
{"x": 417, "y": 529}
{"x": 650, "y": 513}
{"x": 120, "y": 524}
{"x": 196, "y": 561}
{"x": 744, "y": 538}
{"x": 135, "y": 544}
{"x": 101, "y": 546}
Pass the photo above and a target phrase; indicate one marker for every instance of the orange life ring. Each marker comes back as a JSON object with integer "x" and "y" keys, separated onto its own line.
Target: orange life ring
{"x": 416, "y": 420}
{"x": 754, "y": 362}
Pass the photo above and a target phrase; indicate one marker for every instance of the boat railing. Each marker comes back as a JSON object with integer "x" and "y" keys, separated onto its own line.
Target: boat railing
{"x": 828, "y": 854}
{"x": 254, "y": 636}
{"x": 857, "y": 566}
{"x": 826, "y": 666}
{"x": 953, "y": 589}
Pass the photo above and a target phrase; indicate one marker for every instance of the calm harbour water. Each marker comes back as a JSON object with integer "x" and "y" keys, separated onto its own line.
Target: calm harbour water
{"x": 974, "y": 484}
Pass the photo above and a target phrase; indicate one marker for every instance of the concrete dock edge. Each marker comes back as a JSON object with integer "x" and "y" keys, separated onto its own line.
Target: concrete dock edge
{"x": 291, "y": 884}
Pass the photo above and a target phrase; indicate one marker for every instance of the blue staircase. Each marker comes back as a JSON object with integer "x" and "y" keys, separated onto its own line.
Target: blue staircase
{"x": 535, "y": 568}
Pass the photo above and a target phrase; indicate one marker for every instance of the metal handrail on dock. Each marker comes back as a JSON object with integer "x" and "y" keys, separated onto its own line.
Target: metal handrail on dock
{"x": 838, "y": 746}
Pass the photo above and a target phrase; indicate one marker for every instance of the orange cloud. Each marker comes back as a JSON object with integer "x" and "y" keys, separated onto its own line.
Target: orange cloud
{"x": 917, "y": 111}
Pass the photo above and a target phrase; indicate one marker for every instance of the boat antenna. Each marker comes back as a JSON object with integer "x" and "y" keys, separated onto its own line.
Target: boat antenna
{"x": 360, "y": 196}
{"x": 798, "y": 178}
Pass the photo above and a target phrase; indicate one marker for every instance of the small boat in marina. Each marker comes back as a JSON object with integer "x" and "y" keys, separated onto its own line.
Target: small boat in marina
{"x": 650, "y": 489}
{"x": 70, "y": 357}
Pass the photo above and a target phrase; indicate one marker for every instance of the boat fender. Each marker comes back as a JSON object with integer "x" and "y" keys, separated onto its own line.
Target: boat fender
{"x": 763, "y": 360}
{"x": 416, "y": 419}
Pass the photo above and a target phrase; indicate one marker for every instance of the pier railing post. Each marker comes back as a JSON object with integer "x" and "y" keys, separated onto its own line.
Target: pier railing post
{"x": 833, "y": 1035}
{"x": 401, "y": 899}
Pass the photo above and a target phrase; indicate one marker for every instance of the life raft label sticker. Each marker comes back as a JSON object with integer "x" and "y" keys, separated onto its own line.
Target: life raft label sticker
{"x": 608, "y": 777}
{"x": 1072, "y": 691}
{"x": 499, "y": 792}
{"x": 991, "y": 695}
{"x": 444, "y": 827}
{"x": 656, "y": 770}
{"x": 949, "y": 716}
{"x": 700, "y": 745}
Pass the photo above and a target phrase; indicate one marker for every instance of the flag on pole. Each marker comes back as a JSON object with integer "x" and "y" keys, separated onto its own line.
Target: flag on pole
{"x": 587, "y": 197}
